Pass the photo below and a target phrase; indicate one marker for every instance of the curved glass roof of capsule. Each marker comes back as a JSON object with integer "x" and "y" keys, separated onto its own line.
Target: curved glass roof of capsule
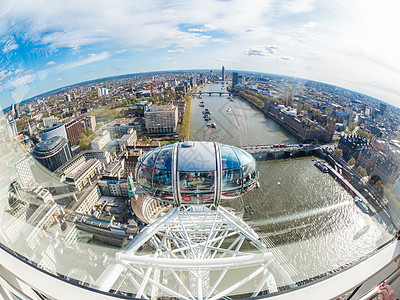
{"x": 200, "y": 168}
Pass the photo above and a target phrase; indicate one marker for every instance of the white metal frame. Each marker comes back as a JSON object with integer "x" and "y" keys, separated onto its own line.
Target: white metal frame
{"x": 198, "y": 252}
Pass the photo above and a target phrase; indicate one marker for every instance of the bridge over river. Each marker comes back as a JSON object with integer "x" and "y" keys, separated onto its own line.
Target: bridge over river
{"x": 254, "y": 149}
{"x": 210, "y": 93}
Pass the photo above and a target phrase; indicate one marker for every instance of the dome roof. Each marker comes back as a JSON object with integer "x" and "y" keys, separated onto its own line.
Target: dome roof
{"x": 197, "y": 172}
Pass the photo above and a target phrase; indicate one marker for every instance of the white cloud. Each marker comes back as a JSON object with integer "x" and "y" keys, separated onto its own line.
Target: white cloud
{"x": 296, "y": 6}
{"x": 205, "y": 28}
{"x": 22, "y": 80}
{"x": 310, "y": 24}
{"x": 176, "y": 51}
{"x": 91, "y": 59}
{"x": 50, "y": 63}
{"x": 263, "y": 50}
{"x": 9, "y": 44}
{"x": 120, "y": 51}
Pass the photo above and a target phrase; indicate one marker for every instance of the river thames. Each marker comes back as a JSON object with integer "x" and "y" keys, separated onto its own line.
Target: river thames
{"x": 308, "y": 220}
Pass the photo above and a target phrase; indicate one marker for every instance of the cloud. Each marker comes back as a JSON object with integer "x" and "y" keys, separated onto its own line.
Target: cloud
{"x": 91, "y": 59}
{"x": 58, "y": 79}
{"x": 295, "y": 6}
{"x": 285, "y": 57}
{"x": 22, "y": 80}
{"x": 263, "y": 50}
{"x": 224, "y": 60}
{"x": 176, "y": 51}
{"x": 120, "y": 51}
{"x": 9, "y": 44}
{"x": 310, "y": 24}
{"x": 205, "y": 28}
{"x": 50, "y": 63}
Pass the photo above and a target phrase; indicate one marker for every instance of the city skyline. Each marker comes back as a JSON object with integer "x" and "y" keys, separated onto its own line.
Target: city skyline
{"x": 69, "y": 43}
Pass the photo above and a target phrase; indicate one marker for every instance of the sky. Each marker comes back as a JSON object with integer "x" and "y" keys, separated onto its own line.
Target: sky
{"x": 48, "y": 44}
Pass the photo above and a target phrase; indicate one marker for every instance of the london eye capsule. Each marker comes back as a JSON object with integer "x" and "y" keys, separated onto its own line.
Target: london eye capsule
{"x": 197, "y": 173}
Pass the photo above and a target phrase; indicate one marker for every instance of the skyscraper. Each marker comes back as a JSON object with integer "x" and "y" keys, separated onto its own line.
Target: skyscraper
{"x": 11, "y": 128}
{"x": 235, "y": 79}
{"x": 14, "y": 111}
{"x": 223, "y": 73}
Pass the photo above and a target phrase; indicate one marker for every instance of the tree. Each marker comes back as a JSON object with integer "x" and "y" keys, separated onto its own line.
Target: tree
{"x": 338, "y": 152}
{"x": 362, "y": 171}
{"x": 378, "y": 186}
{"x": 352, "y": 162}
{"x": 317, "y": 112}
{"x": 352, "y": 126}
{"x": 365, "y": 133}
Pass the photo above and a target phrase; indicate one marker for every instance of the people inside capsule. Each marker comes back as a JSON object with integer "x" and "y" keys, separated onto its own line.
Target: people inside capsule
{"x": 239, "y": 173}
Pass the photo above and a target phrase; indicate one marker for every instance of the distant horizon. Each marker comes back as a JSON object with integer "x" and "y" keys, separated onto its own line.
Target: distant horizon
{"x": 189, "y": 70}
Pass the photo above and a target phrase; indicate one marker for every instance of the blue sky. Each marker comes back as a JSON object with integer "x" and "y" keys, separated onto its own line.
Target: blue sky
{"x": 47, "y": 44}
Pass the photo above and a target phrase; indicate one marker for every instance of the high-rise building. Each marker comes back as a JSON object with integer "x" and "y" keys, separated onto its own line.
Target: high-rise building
{"x": 74, "y": 130}
{"x": 223, "y": 73}
{"x": 90, "y": 122}
{"x": 382, "y": 107}
{"x": 161, "y": 119}
{"x": 68, "y": 98}
{"x": 49, "y": 121}
{"x": 58, "y": 129}
{"x": 14, "y": 111}
{"x": 102, "y": 92}
{"x": 53, "y": 152}
{"x": 11, "y": 128}
{"x": 235, "y": 78}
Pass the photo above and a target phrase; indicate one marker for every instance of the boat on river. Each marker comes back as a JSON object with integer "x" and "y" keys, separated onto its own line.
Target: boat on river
{"x": 321, "y": 165}
{"x": 364, "y": 206}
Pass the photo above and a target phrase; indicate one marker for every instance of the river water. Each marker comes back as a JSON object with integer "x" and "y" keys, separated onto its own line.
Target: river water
{"x": 304, "y": 215}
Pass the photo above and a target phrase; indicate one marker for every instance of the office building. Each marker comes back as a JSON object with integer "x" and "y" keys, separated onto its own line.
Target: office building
{"x": 235, "y": 79}
{"x": 74, "y": 130}
{"x": 14, "y": 111}
{"x": 49, "y": 121}
{"x": 128, "y": 139}
{"x": 101, "y": 140}
{"x": 11, "y": 128}
{"x": 161, "y": 119}
{"x": 223, "y": 74}
{"x": 58, "y": 129}
{"x": 90, "y": 122}
{"x": 84, "y": 174}
{"x": 53, "y": 152}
